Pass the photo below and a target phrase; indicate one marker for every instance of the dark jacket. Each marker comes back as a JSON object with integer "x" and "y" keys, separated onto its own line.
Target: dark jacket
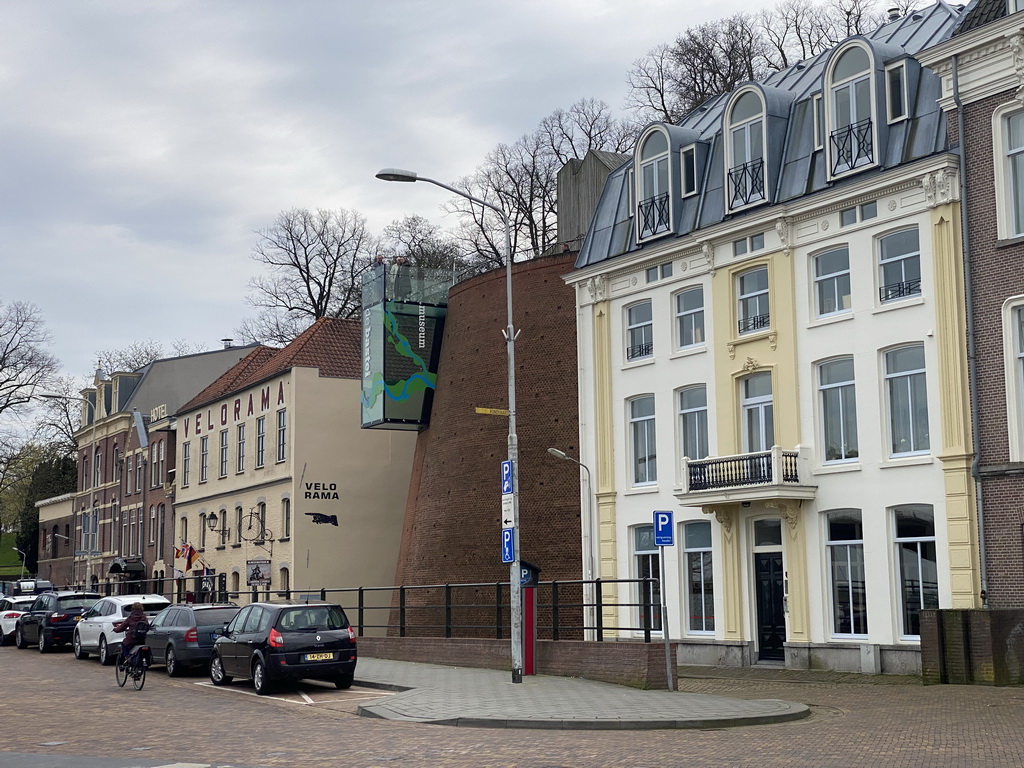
{"x": 127, "y": 625}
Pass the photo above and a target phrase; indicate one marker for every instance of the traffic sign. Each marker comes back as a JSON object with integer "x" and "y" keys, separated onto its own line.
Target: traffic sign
{"x": 663, "y": 529}
{"x": 508, "y": 547}
{"x": 508, "y": 511}
{"x": 507, "y": 478}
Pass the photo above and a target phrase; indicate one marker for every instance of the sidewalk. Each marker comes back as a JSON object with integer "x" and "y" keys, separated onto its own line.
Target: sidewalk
{"x": 487, "y": 698}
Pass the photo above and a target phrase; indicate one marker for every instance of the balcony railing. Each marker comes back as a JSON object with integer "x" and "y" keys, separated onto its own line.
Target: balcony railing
{"x": 754, "y": 323}
{"x": 746, "y": 183}
{"x": 653, "y": 215}
{"x": 852, "y": 146}
{"x": 773, "y": 467}
{"x": 639, "y": 350}
{"x": 900, "y": 290}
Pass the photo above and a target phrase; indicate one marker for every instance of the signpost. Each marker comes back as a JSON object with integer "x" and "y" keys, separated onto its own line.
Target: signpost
{"x": 664, "y": 536}
{"x": 510, "y": 555}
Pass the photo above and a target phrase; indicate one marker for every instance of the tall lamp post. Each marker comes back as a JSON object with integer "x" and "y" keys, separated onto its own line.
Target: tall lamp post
{"x": 515, "y": 586}
{"x": 23, "y": 557}
{"x": 87, "y": 545}
{"x": 588, "y": 545}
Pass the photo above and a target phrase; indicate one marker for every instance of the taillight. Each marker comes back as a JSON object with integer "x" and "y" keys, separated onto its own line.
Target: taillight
{"x": 192, "y": 636}
{"x": 11, "y": 615}
{"x": 276, "y": 641}
{"x": 351, "y": 634}
{"x": 57, "y": 617}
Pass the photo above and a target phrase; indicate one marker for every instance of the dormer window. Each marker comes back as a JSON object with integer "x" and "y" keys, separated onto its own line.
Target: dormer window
{"x": 653, "y": 202}
{"x": 688, "y": 165}
{"x": 851, "y": 141}
{"x": 746, "y": 151}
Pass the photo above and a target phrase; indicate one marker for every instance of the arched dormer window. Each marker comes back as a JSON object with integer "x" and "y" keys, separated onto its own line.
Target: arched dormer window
{"x": 746, "y": 150}
{"x": 653, "y": 185}
{"x": 851, "y": 113}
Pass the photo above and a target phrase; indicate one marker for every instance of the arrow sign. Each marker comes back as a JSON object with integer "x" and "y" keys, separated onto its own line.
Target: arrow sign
{"x": 508, "y": 516}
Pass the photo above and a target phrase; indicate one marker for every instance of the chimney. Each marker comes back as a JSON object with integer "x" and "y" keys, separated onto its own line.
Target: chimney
{"x": 228, "y": 343}
{"x": 894, "y": 13}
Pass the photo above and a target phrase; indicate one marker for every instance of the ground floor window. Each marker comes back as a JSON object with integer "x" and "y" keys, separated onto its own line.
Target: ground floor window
{"x": 915, "y": 546}
{"x": 846, "y": 572}
{"x": 700, "y": 593}
{"x": 648, "y": 566}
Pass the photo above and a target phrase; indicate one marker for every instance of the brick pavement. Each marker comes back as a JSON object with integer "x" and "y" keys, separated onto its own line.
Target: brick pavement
{"x": 55, "y": 698}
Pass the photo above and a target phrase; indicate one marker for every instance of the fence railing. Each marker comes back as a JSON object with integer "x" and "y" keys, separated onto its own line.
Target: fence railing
{"x": 772, "y": 467}
{"x": 566, "y": 610}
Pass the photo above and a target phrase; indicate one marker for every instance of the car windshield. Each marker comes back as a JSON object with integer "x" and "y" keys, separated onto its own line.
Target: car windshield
{"x": 213, "y": 616}
{"x": 147, "y": 607}
{"x": 75, "y": 601}
{"x": 311, "y": 618}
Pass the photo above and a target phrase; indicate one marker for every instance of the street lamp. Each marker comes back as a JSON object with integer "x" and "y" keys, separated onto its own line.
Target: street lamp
{"x": 74, "y": 512}
{"x": 515, "y": 586}
{"x": 23, "y": 557}
{"x": 588, "y": 544}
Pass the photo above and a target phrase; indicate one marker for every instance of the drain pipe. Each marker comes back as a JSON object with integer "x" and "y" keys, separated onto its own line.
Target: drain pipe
{"x": 972, "y": 352}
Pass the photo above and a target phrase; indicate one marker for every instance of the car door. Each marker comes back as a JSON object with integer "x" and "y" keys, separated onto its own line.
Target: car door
{"x": 88, "y": 627}
{"x": 249, "y": 640}
{"x": 159, "y": 633}
{"x": 227, "y": 646}
{"x": 31, "y": 621}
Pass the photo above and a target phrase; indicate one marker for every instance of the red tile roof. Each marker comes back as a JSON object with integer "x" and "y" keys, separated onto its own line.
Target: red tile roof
{"x": 331, "y": 344}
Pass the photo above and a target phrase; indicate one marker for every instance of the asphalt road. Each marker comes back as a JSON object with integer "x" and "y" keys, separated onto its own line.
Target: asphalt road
{"x": 56, "y": 712}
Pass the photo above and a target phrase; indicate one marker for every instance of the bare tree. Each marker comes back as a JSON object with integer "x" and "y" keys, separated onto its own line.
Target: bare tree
{"x": 315, "y": 260}
{"x": 421, "y": 243}
{"x": 58, "y": 418}
{"x": 521, "y": 179}
{"x": 131, "y": 357}
{"x": 655, "y": 92}
{"x": 25, "y": 364}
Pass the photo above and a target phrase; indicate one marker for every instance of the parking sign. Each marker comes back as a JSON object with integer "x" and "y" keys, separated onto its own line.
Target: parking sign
{"x": 507, "y": 477}
{"x": 663, "y": 529}
{"x": 508, "y": 547}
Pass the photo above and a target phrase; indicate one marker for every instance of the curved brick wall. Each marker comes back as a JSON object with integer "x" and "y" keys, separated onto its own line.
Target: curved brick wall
{"x": 453, "y": 518}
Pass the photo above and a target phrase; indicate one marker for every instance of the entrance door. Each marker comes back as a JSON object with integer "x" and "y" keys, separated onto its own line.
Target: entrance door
{"x": 771, "y": 620}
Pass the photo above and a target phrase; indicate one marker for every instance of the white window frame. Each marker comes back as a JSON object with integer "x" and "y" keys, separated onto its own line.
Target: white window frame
{"x": 282, "y": 434}
{"x": 152, "y": 523}
{"x": 642, "y": 429}
{"x": 1013, "y": 369}
{"x": 700, "y": 557}
{"x": 760, "y": 297}
{"x": 261, "y": 441}
{"x": 693, "y": 419}
{"x": 688, "y": 162}
{"x": 832, "y": 119}
{"x": 649, "y": 185}
{"x": 909, "y": 378}
{"x": 891, "y": 115}
{"x": 839, "y": 559}
{"x": 222, "y": 463}
{"x": 647, "y": 564}
{"x": 204, "y": 458}
{"x": 900, "y": 566}
{"x": 240, "y": 450}
{"x": 753, "y": 150}
{"x": 903, "y": 260}
{"x": 1006, "y": 217}
{"x": 837, "y": 280}
{"x": 763, "y": 408}
{"x": 690, "y": 321}
{"x": 818, "y": 117}
{"x": 641, "y": 331}
{"x": 186, "y": 463}
{"x": 825, "y": 394}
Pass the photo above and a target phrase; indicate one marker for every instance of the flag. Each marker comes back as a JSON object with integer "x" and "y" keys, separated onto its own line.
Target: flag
{"x": 190, "y": 557}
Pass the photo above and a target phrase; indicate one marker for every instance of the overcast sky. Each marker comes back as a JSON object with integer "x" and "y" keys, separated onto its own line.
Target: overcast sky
{"x": 143, "y": 143}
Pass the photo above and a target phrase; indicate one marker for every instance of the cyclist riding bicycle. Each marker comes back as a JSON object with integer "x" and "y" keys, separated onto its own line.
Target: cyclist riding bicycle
{"x": 135, "y": 626}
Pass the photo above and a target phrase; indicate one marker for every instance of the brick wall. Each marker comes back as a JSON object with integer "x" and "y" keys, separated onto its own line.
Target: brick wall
{"x": 964, "y": 647}
{"x": 453, "y": 517}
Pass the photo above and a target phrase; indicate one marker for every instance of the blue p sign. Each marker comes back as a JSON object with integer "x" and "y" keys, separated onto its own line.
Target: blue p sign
{"x": 663, "y": 529}
{"x": 507, "y": 478}
{"x": 508, "y": 547}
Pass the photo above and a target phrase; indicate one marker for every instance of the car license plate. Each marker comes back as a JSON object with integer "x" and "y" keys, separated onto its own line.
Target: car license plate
{"x": 319, "y": 656}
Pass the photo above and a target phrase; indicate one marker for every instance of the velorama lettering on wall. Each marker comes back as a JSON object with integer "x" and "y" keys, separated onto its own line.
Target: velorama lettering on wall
{"x": 240, "y": 408}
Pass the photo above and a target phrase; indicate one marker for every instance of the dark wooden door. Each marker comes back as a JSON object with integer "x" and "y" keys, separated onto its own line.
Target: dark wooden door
{"x": 771, "y": 619}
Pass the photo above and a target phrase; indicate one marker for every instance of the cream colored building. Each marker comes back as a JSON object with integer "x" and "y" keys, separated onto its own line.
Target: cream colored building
{"x": 275, "y": 474}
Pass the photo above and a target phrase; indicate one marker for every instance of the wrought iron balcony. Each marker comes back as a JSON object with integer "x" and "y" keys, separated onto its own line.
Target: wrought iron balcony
{"x": 745, "y": 477}
{"x": 754, "y": 323}
{"x": 653, "y": 215}
{"x": 639, "y": 350}
{"x": 746, "y": 183}
{"x": 900, "y": 290}
{"x": 852, "y": 146}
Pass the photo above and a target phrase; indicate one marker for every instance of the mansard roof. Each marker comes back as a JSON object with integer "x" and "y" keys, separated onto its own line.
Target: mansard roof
{"x": 795, "y": 168}
{"x": 978, "y": 13}
{"x": 332, "y": 345}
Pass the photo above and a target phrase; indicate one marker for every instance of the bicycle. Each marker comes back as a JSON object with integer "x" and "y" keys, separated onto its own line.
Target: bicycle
{"x": 134, "y": 666}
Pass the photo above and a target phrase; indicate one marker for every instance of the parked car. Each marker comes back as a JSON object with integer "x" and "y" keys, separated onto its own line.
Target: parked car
{"x": 24, "y": 587}
{"x": 286, "y": 640}
{"x": 95, "y": 632}
{"x": 51, "y": 619}
{"x": 11, "y": 609}
{"x": 182, "y": 636}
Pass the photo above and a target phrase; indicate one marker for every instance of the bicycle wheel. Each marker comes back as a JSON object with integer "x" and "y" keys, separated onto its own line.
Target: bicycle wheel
{"x": 139, "y": 677}
{"x": 121, "y": 673}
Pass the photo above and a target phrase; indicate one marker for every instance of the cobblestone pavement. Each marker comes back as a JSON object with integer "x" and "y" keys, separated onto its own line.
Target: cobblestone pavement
{"x": 55, "y": 705}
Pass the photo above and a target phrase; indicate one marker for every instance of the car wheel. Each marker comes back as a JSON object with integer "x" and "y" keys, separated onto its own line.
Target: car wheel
{"x": 19, "y": 638}
{"x": 217, "y": 674}
{"x": 106, "y": 656}
{"x": 43, "y": 645}
{"x": 171, "y": 660}
{"x": 76, "y": 646}
{"x": 344, "y": 681}
{"x": 259, "y": 679}
{"x": 3, "y": 638}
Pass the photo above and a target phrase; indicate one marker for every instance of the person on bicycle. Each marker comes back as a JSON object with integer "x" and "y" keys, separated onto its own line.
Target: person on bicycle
{"x": 129, "y": 625}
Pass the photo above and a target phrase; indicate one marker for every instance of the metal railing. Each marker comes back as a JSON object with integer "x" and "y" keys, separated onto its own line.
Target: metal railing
{"x": 754, "y": 323}
{"x": 653, "y": 215}
{"x": 474, "y": 610}
{"x": 772, "y": 467}
{"x": 852, "y": 146}
{"x": 900, "y": 290}
{"x": 747, "y": 183}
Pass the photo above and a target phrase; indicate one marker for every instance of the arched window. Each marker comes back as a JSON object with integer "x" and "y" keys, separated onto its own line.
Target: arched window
{"x": 851, "y": 140}
{"x": 746, "y": 150}
{"x": 653, "y": 184}
{"x": 285, "y": 581}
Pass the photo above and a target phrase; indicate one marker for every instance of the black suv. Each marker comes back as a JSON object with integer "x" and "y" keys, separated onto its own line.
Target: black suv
{"x": 286, "y": 640}
{"x": 52, "y": 618}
